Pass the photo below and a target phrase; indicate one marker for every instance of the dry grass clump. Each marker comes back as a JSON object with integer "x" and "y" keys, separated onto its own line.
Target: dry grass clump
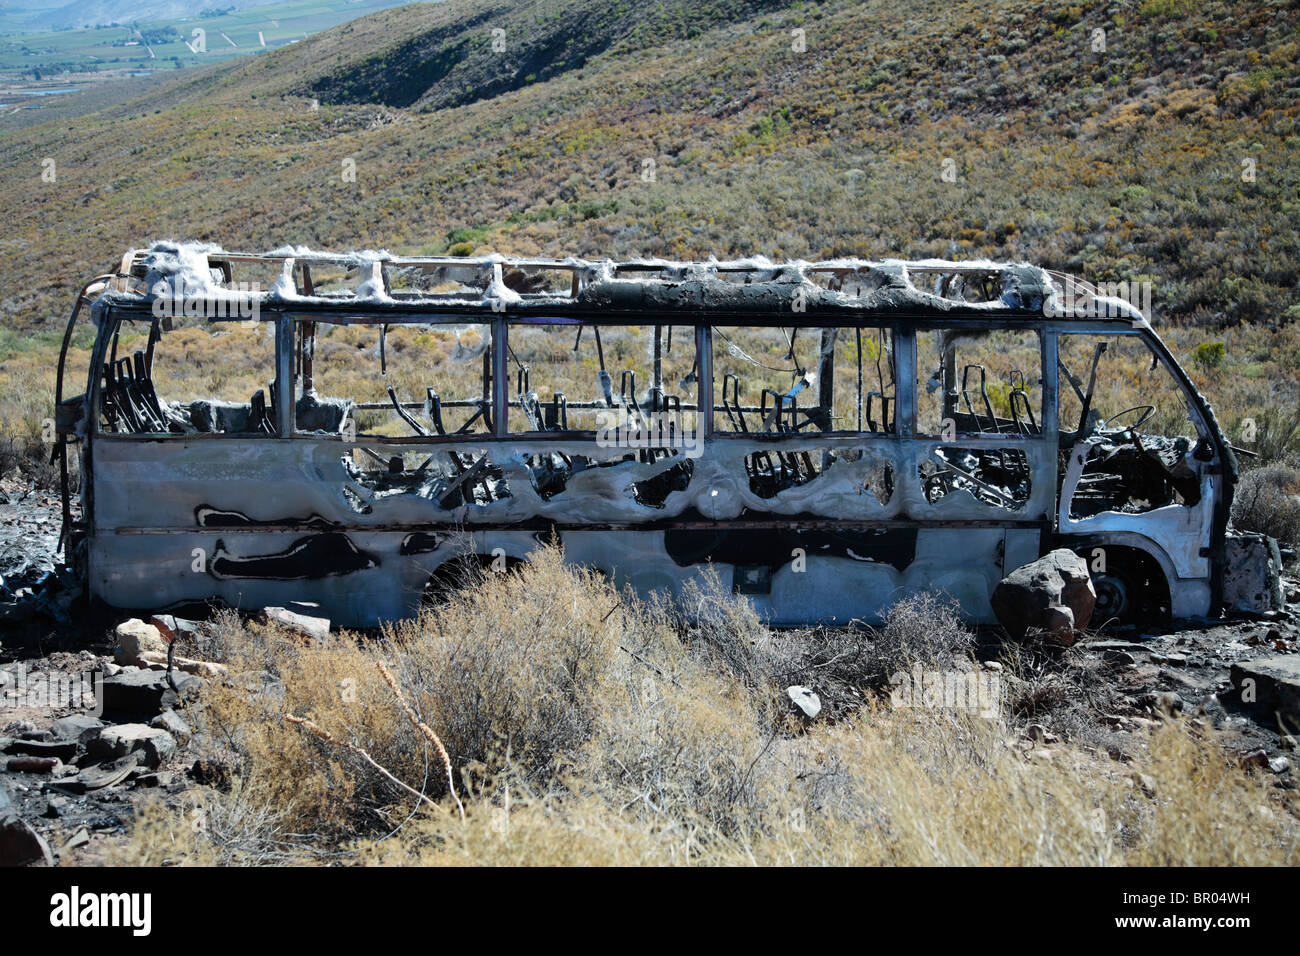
{"x": 1065, "y": 692}
{"x": 589, "y": 727}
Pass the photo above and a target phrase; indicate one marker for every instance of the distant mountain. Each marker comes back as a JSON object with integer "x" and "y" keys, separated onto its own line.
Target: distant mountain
{"x": 36, "y": 15}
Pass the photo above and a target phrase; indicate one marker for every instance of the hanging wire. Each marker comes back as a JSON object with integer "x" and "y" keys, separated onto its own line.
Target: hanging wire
{"x": 737, "y": 351}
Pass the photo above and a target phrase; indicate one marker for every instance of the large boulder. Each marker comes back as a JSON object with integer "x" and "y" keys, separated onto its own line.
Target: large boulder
{"x": 132, "y": 694}
{"x": 1053, "y": 596}
{"x": 152, "y": 744}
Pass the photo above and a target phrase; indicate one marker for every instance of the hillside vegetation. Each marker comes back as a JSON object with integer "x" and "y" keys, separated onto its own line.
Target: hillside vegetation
{"x": 1141, "y": 142}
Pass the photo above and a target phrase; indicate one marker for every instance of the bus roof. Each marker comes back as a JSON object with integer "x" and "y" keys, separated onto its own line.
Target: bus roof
{"x": 379, "y": 283}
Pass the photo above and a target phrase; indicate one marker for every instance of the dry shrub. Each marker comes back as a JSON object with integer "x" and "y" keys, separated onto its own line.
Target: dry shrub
{"x": 923, "y": 628}
{"x": 503, "y": 677}
{"x": 588, "y": 728}
{"x": 725, "y": 632}
{"x": 1267, "y": 500}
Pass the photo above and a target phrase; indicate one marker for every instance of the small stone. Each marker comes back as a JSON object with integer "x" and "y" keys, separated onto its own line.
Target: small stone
{"x": 77, "y": 840}
{"x": 171, "y": 627}
{"x": 188, "y": 687}
{"x": 1255, "y": 760}
{"x": 172, "y": 722}
{"x": 1279, "y": 765}
{"x": 50, "y": 765}
{"x": 994, "y": 666}
{"x": 313, "y": 628}
{"x": 1147, "y": 784}
{"x": 21, "y": 845}
{"x": 804, "y": 698}
{"x": 1162, "y": 702}
{"x": 72, "y": 727}
{"x": 163, "y": 778}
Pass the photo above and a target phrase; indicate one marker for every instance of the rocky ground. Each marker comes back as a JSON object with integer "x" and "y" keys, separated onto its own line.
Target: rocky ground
{"x": 70, "y": 776}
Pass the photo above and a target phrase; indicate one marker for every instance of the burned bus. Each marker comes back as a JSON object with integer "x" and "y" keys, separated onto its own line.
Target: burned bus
{"x": 828, "y": 436}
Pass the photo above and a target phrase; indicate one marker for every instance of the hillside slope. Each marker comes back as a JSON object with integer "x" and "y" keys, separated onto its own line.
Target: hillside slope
{"x": 1172, "y": 154}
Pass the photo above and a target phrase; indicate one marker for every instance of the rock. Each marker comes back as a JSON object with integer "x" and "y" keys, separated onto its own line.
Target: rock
{"x": 1279, "y": 765}
{"x": 185, "y": 664}
{"x": 171, "y": 627}
{"x": 50, "y": 765}
{"x": 172, "y": 722}
{"x": 1271, "y": 683}
{"x": 1147, "y": 784}
{"x": 1040, "y": 734}
{"x": 21, "y": 845}
{"x": 1053, "y": 595}
{"x": 71, "y": 728}
{"x": 135, "y": 638}
{"x": 1162, "y": 702}
{"x": 1118, "y": 658}
{"x": 135, "y": 693}
{"x": 163, "y": 778}
{"x": 804, "y": 698}
{"x": 77, "y": 840}
{"x": 63, "y": 750}
{"x": 188, "y": 687}
{"x": 151, "y": 744}
{"x": 313, "y": 628}
{"x": 1255, "y": 760}
{"x": 56, "y": 807}
{"x": 6, "y": 801}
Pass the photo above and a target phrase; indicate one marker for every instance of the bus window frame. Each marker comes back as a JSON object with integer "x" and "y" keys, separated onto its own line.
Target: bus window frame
{"x": 112, "y": 320}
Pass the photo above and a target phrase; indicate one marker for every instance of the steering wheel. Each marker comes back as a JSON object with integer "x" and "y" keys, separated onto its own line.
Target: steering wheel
{"x": 1146, "y": 410}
